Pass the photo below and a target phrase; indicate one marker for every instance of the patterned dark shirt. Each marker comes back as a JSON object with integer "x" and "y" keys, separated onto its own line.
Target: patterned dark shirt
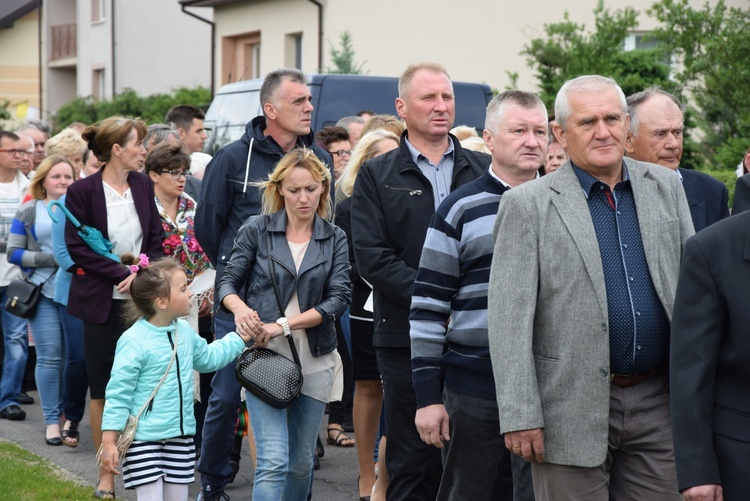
{"x": 638, "y": 324}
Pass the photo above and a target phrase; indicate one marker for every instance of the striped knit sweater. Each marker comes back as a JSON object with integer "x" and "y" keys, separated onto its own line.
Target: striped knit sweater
{"x": 448, "y": 320}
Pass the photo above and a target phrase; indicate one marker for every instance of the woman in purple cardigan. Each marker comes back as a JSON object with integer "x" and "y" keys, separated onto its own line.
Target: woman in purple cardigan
{"x": 119, "y": 202}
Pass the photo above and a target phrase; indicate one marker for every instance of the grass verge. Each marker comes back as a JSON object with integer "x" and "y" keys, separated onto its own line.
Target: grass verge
{"x": 27, "y": 477}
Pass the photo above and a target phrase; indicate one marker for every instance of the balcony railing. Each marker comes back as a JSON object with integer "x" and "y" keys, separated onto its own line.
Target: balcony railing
{"x": 62, "y": 41}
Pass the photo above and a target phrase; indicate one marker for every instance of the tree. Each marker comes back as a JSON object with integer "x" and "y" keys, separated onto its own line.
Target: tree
{"x": 343, "y": 58}
{"x": 711, "y": 47}
{"x": 4, "y": 113}
{"x": 568, "y": 51}
{"x": 127, "y": 103}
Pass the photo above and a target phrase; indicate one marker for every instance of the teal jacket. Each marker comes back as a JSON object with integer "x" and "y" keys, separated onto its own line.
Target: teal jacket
{"x": 142, "y": 355}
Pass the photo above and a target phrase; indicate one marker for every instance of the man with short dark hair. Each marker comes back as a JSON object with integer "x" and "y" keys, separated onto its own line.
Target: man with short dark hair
{"x": 393, "y": 200}
{"x": 655, "y": 135}
{"x": 582, "y": 284}
{"x": 228, "y": 198}
{"x": 188, "y": 120}
{"x": 13, "y": 186}
{"x": 449, "y": 313}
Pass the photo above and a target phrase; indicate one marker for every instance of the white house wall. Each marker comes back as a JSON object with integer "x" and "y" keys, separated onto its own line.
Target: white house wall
{"x": 157, "y": 47}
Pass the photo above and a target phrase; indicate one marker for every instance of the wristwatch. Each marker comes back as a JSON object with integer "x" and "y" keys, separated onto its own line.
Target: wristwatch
{"x": 284, "y": 325}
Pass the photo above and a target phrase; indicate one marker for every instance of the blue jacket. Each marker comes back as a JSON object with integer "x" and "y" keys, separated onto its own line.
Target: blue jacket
{"x": 62, "y": 258}
{"x": 142, "y": 355}
{"x": 322, "y": 282}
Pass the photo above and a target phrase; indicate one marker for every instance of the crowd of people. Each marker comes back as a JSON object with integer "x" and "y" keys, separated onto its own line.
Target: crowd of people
{"x": 522, "y": 314}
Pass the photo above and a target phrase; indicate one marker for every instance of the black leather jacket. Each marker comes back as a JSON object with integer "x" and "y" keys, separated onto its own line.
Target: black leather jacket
{"x": 322, "y": 282}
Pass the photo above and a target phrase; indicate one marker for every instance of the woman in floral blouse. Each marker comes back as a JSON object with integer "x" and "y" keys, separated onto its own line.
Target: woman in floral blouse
{"x": 168, "y": 166}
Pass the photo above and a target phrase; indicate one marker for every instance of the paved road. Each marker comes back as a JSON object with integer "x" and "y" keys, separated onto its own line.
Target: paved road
{"x": 335, "y": 481}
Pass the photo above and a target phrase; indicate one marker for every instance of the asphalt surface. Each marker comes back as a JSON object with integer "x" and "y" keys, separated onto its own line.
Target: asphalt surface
{"x": 336, "y": 480}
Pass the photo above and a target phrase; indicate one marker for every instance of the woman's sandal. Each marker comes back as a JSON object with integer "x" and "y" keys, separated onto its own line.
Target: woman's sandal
{"x": 70, "y": 434}
{"x": 339, "y": 439}
{"x": 104, "y": 494}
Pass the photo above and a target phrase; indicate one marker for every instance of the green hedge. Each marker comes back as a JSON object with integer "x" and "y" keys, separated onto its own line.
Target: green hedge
{"x": 128, "y": 103}
{"x": 728, "y": 177}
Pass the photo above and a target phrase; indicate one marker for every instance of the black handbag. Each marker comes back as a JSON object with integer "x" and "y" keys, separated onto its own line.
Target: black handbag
{"x": 23, "y": 297}
{"x": 271, "y": 377}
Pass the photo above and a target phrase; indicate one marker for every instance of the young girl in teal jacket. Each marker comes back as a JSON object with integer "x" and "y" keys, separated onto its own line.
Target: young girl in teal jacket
{"x": 160, "y": 462}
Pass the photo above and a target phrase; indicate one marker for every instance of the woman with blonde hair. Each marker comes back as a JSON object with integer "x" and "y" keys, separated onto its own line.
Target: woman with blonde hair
{"x": 374, "y": 143}
{"x": 368, "y": 396}
{"x": 69, "y": 144}
{"x": 291, "y": 249}
{"x": 30, "y": 247}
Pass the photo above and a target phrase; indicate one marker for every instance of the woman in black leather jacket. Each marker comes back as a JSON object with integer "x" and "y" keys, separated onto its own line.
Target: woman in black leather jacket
{"x": 311, "y": 268}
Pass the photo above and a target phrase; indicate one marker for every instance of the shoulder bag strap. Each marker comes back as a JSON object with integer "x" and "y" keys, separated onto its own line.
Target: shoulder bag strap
{"x": 272, "y": 272}
{"x": 164, "y": 377}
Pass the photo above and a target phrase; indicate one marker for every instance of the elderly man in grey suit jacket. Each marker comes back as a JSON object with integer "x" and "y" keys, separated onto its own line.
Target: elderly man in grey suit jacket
{"x": 580, "y": 298}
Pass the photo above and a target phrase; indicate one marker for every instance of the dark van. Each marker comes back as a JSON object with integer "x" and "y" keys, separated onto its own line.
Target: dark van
{"x": 334, "y": 96}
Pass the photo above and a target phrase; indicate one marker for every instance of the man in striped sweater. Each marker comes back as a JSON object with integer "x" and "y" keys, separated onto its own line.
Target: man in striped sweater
{"x": 448, "y": 318}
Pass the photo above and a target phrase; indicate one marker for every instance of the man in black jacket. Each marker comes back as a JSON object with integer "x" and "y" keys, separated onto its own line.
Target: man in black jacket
{"x": 228, "y": 198}
{"x": 393, "y": 200}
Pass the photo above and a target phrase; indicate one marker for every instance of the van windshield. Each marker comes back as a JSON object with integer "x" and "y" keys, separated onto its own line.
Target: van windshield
{"x": 227, "y": 117}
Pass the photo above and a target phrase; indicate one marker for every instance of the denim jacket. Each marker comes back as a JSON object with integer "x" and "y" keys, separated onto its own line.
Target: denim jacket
{"x": 322, "y": 282}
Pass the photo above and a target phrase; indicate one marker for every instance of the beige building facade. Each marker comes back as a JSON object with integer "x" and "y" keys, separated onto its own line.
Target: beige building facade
{"x": 19, "y": 65}
{"x": 477, "y": 41}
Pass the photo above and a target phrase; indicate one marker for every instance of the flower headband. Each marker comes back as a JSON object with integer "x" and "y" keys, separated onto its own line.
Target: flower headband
{"x": 142, "y": 264}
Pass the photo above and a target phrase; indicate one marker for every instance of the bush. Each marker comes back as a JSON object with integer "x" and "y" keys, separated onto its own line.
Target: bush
{"x": 127, "y": 103}
{"x": 728, "y": 177}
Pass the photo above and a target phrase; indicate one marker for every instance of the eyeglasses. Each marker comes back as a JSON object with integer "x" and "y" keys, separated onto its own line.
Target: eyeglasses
{"x": 177, "y": 173}
{"x": 342, "y": 153}
{"x": 13, "y": 152}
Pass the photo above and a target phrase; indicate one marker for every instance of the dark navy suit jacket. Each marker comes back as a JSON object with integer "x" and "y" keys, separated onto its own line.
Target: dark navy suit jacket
{"x": 741, "y": 194}
{"x": 707, "y": 197}
{"x": 709, "y": 367}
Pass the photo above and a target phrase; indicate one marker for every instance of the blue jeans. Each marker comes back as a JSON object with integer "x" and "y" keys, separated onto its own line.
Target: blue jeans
{"x": 285, "y": 440}
{"x": 46, "y": 327}
{"x": 221, "y": 420}
{"x": 75, "y": 377}
{"x": 16, "y": 340}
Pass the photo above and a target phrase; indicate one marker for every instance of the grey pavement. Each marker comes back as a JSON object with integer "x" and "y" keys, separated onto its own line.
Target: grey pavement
{"x": 336, "y": 480}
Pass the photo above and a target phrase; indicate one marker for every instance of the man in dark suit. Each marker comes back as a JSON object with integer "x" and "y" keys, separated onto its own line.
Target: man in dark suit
{"x": 710, "y": 349}
{"x": 655, "y": 136}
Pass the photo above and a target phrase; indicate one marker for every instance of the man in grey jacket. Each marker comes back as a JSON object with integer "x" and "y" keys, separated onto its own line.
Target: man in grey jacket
{"x": 580, "y": 299}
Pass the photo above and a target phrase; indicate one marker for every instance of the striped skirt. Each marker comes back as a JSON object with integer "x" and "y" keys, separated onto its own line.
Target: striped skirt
{"x": 173, "y": 460}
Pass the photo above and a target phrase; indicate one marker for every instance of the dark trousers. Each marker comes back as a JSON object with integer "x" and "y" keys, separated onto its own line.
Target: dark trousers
{"x": 205, "y": 330}
{"x": 339, "y": 411}
{"x": 413, "y": 466}
{"x": 733, "y": 456}
{"x": 220, "y": 421}
{"x": 476, "y": 464}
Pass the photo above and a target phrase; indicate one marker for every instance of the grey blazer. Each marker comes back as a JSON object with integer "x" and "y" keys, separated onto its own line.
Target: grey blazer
{"x": 548, "y": 322}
